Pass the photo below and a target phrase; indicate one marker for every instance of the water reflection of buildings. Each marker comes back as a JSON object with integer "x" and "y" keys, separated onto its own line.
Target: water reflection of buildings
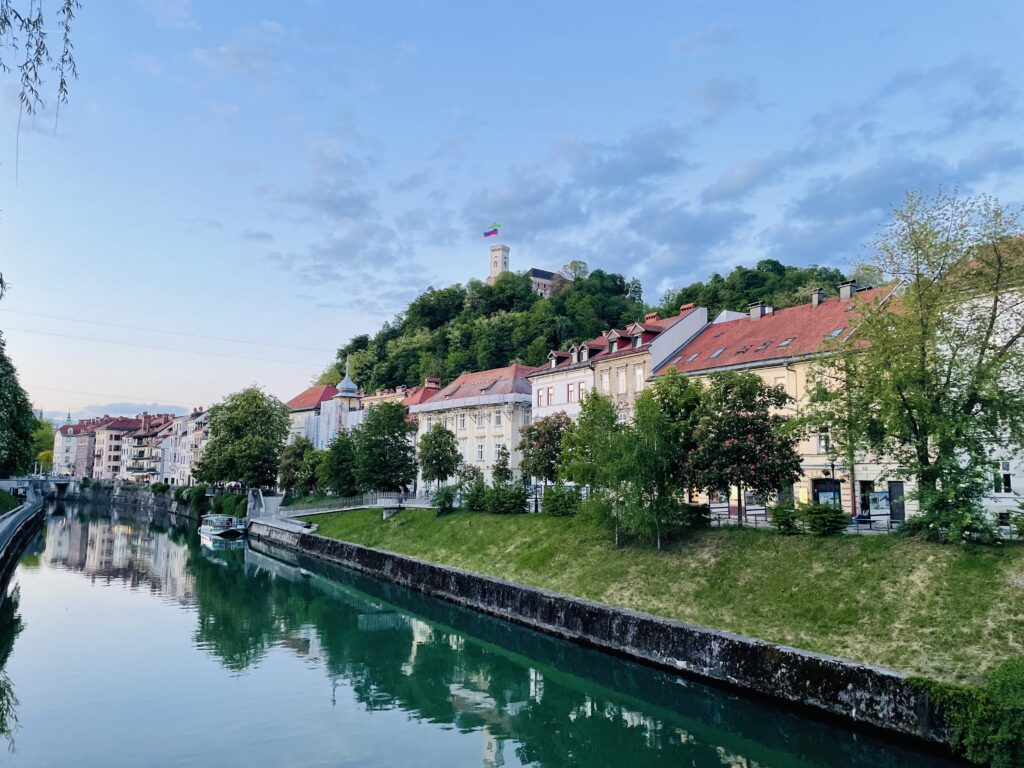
{"x": 120, "y": 550}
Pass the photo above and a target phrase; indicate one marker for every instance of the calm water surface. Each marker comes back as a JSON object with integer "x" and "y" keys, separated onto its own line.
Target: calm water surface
{"x": 124, "y": 643}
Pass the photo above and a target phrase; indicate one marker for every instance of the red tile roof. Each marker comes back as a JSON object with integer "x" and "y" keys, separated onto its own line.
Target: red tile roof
{"x": 419, "y": 394}
{"x": 121, "y": 423}
{"x": 312, "y": 397}
{"x": 745, "y": 341}
{"x": 496, "y": 381}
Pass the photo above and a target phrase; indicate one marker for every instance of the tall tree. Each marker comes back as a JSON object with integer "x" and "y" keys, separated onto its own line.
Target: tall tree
{"x": 247, "y": 434}
{"x": 541, "y": 445}
{"x": 385, "y": 453}
{"x": 42, "y": 436}
{"x": 17, "y": 424}
{"x": 647, "y": 493}
{"x": 292, "y": 457}
{"x": 679, "y": 399}
{"x": 933, "y": 379}
{"x": 740, "y": 438}
{"x": 337, "y": 471}
{"x": 439, "y": 455}
{"x": 501, "y": 470}
{"x": 590, "y": 451}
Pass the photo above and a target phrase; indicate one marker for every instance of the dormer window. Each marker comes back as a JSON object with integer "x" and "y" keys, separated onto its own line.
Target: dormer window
{"x": 637, "y": 341}
{"x": 584, "y": 354}
{"x": 612, "y": 345}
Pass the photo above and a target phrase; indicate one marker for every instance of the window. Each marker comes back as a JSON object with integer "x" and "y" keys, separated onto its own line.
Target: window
{"x": 605, "y": 381}
{"x": 743, "y": 349}
{"x": 497, "y": 418}
{"x": 638, "y": 377}
{"x": 780, "y": 381}
{"x": 763, "y": 346}
{"x": 462, "y": 421}
{"x": 430, "y": 422}
{"x": 692, "y": 357}
{"x": 786, "y": 342}
{"x": 570, "y": 393}
{"x": 479, "y": 451}
{"x": 637, "y": 341}
{"x": 497, "y": 450}
{"x": 479, "y": 421}
{"x": 526, "y": 418}
{"x": 836, "y": 332}
{"x": 1001, "y": 478}
{"x": 540, "y": 398}
{"x": 717, "y": 352}
{"x": 620, "y": 379}
{"x": 823, "y": 440}
{"x": 551, "y": 395}
{"x": 580, "y": 391}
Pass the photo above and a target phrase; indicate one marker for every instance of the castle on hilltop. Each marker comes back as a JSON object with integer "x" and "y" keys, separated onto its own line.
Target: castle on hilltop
{"x": 543, "y": 282}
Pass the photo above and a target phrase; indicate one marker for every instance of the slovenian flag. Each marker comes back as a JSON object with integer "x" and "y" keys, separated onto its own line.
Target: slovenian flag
{"x": 492, "y": 230}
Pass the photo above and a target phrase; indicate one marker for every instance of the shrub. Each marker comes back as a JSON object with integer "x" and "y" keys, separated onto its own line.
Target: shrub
{"x": 180, "y": 494}
{"x": 985, "y": 725}
{"x": 968, "y": 524}
{"x": 824, "y": 519}
{"x": 159, "y": 488}
{"x": 561, "y": 500}
{"x": 694, "y": 515}
{"x": 86, "y": 483}
{"x": 475, "y": 496}
{"x": 230, "y": 504}
{"x": 506, "y": 500}
{"x": 444, "y": 499}
{"x": 786, "y": 519}
{"x": 1017, "y": 522}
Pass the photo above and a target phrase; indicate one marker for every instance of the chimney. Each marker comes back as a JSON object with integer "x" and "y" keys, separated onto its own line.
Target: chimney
{"x": 817, "y": 296}
{"x": 652, "y": 317}
{"x": 431, "y": 382}
{"x": 684, "y": 308}
{"x": 847, "y": 290}
{"x": 756, "y": 310}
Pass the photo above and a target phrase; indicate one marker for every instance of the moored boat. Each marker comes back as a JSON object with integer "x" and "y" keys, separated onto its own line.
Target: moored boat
{"x": 222, "y": 526}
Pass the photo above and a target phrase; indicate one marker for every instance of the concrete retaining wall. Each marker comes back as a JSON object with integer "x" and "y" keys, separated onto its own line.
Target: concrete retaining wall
{"x": 862, "y": 693}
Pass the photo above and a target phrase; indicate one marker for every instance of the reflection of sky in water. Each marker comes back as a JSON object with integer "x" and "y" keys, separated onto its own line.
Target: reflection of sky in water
{"x": 140, "y": 648}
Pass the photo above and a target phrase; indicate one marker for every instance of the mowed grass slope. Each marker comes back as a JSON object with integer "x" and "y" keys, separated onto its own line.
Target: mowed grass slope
{"x": 8, "y": 502}
{"x": 949, "y": 613}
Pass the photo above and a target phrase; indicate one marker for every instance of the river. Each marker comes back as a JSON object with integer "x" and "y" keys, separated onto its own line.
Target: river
{"x": 124, "y": 643}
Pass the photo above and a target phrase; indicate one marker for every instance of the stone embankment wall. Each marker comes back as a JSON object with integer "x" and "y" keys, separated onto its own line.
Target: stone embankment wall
{"x": 141, "y": 498}
{"x": 16, "y": 529}
{"x": 855, "y": 692}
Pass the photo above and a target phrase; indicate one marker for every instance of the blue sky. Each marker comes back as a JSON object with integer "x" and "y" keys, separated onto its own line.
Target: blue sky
{"x": 282, "y": 177}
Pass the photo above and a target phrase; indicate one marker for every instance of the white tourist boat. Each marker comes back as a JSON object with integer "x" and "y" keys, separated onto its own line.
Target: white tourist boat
{"x": 221, "y": 527}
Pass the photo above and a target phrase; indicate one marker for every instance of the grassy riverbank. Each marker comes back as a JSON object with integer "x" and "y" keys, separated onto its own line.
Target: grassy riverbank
{"x": 947, "y": 613}
{"x": 8, "y": 502}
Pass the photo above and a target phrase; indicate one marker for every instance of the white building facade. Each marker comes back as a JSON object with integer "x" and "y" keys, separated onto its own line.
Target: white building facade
{"x": 485, "y": 411}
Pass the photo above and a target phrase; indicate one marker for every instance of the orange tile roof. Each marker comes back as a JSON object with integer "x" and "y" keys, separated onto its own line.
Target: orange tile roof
{"x": 312, "y": 397}
{"x": 782, "y": 335}
{"x": 496, "y": 381}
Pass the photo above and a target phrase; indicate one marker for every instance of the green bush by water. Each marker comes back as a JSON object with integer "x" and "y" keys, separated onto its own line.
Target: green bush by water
{"x": 234, "y": 504}
{"x": 986, "y": 724}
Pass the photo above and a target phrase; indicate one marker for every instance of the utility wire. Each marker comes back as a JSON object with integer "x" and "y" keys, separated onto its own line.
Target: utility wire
{"x": 173, "y": 333}
{"x": 128, "y": 398}
{"x": 166, "y": 349}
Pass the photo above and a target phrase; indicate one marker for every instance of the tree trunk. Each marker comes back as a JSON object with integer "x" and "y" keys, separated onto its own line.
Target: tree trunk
{"x": 739, "y": 504}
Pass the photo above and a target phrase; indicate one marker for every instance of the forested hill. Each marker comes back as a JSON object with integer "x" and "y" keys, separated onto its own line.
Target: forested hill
{"x": 446, "y": 331}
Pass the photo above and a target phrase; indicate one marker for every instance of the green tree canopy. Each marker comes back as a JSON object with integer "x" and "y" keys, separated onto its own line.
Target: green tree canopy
{"x": 541, "y": 445}
{"x": 770, "y": 281}
{"x": 17, "y": 424}
{"x": 42, "y": 436}
{"x": 439, "y": 455}
{"x": 384, "y": 450}
{"x": 933, "y": 379}
{"x": 739, "y": 437}
{"x": 247, "y": 434}
{"x": 292, "y": 457}
{"x": 337, "y": 471}
{"x": 591, "y": 450}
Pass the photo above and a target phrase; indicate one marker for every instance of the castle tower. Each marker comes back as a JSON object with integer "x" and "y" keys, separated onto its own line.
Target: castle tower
{"x": 499, "y": 261}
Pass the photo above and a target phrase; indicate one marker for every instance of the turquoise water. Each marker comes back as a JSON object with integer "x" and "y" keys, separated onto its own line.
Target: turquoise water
{"x": 125, "y": 643}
